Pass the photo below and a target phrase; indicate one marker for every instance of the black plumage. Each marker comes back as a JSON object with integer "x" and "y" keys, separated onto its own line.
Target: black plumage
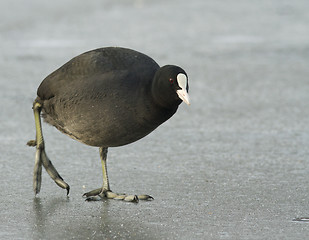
{"x": 112, "y": 96}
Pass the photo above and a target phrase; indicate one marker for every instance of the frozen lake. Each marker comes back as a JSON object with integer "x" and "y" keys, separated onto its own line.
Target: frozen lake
{"x": 233, "y": 165}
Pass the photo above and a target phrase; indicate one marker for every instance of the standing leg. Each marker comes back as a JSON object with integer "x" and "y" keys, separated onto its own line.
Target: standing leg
{"x": 103, "y": 156}
{"x": 105, "y": 192}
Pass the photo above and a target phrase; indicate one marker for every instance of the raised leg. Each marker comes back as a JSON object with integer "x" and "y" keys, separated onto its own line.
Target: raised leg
{"x": 105, "y": 192}
{"x": 41, "y": 157}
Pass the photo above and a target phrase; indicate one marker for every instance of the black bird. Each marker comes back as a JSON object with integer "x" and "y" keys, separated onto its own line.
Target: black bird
{"x": 106, "y": 97}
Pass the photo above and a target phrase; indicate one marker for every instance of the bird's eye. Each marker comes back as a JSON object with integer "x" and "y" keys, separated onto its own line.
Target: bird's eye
{"x": 171, "y": 81}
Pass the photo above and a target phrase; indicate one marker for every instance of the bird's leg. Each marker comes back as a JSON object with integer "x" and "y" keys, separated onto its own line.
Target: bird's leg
{"x": 41, "y": 157}
{"x": 103, "y": 156}
{"x": 105, "y": 191}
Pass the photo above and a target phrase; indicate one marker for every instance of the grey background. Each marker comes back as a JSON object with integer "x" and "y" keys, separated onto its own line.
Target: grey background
{"x": 233, "y": 165}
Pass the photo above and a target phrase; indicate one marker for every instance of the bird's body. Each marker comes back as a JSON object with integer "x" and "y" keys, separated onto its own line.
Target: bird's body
{"x": 103, "y": 97}
{"x": 107, "y": 97}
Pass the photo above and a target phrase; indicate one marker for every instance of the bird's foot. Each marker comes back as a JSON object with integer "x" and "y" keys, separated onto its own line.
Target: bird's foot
{"x": 99, "y": 194}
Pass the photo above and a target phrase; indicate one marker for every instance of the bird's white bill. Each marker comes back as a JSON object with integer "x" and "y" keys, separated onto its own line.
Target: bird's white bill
{"x": 183, "y": 95}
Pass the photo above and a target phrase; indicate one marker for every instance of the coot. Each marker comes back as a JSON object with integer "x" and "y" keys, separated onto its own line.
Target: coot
{"x": 106, "y": 97}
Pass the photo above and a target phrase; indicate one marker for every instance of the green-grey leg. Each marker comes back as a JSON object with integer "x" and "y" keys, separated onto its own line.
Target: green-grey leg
{"x": 103, "y": 156}
{"x": 41, "y": 157}
{"x": 105, "y": 192}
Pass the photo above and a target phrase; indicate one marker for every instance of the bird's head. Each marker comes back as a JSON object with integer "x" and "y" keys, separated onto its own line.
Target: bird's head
{"x": 170, "y": 86}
